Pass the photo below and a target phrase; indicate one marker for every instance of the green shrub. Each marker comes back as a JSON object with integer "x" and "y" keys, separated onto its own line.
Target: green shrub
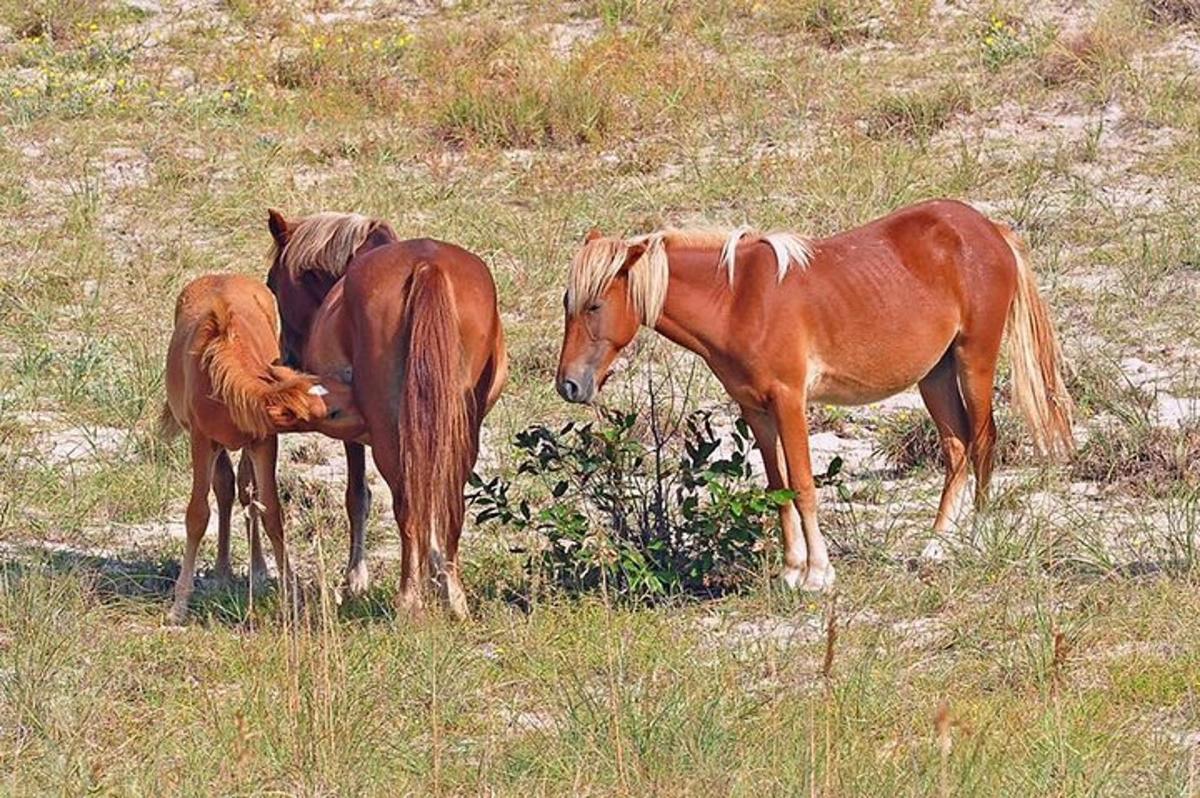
{"x": 639, "y": 519}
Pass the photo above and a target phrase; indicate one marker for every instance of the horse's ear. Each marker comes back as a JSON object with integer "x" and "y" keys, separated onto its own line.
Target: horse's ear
{"x": 633, "y": 254}
{"x": 591, "y": 236}
{"x": 278, "y": 226}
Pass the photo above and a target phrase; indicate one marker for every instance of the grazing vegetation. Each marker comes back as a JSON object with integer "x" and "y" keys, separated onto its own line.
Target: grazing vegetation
{"x": 1054, "y": 652}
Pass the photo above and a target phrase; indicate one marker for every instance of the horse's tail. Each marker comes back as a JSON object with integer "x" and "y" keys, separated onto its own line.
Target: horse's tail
{"x": 261, "y": 398}
{"x": 1038, "y": 387}
{"x": 168, "y": 426}
{"x": 435, "y": 439}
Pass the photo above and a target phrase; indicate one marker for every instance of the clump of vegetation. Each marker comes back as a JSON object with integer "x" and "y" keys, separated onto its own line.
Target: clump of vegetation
{"x": 1146, "y": 458}
{"x": 640, "y": 519}
{"x": 1174, "y": 11}
{"x": 832, "y": 23}
{"x": 1002, "y": 41}
{"x": 909, "y": 440}
{"x": 365, "y": 63}
{"x": 916, "y": 115}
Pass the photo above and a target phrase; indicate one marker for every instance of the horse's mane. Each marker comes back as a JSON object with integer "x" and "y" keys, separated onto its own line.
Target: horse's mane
{"x": 598, "y": 262}
{"x": 326, "y": 242}
{"x": 244, "y": 385}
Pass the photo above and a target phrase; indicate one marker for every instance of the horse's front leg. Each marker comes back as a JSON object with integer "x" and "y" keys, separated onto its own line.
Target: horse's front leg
{"x": 791, "y": 418}
{"x": 358, "y": 506}
{"x": 795, "y": 552}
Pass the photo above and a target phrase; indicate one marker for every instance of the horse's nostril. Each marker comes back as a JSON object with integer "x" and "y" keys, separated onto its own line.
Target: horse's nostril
{"x": 334, "y": 414}
{"x": 569, "y": 390}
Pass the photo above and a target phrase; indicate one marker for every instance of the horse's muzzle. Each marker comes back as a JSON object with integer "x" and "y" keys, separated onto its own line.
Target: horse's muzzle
{"x": 579, "y": 391}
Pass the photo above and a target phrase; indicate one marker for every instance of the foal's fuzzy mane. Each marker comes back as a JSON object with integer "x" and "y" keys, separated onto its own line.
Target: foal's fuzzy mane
{"x": 326, "y": 242}
{"x": 248, "y": 388}
{"x": 600, "y": 260}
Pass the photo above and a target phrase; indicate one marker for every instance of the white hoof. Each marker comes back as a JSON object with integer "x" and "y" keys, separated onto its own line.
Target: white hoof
{"x": 934, "y": 551}
{"x": 177, "y": 614}
{"x": 793, "y": 576}
{"x": 456, "y": 600}
{"x": 819, "y": 580}
{"x": 409, "y": 604}
{"x": 357, "y": 579}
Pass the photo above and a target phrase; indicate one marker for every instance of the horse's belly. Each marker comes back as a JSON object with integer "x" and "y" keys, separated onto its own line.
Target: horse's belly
{"x": 862, "y": 386}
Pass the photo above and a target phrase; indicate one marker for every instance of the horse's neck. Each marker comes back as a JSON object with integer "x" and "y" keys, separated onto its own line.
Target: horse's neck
{"x": 697, "y": 305}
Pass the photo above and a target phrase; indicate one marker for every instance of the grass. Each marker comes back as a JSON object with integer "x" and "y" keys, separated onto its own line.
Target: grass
{"x": 1051, "y": 655}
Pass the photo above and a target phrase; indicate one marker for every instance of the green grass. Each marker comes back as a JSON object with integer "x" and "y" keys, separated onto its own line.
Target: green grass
{"x": 141, "y": 149}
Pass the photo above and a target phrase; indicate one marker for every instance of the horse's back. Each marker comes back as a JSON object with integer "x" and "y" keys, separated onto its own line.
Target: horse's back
{"x": 378, "y": 282}
{"x": 204, "y": 307}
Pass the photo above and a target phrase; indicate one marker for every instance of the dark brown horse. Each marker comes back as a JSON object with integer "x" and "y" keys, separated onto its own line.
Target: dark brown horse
{"x": 226, "y": 389}
{"x": 920, "y": 296}
{"x": 416, "y": 325}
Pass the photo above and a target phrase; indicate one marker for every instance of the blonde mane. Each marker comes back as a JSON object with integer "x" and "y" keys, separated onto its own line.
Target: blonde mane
{"x": 598, "y": 262}
{"x": 325, "y": 242}
{"x": 246, "y": 388}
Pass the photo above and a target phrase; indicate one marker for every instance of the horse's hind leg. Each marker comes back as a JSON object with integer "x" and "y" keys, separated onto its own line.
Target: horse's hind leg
{"x": 223, "y": 488}
{"x": 248, "y": 498}
{"x": 450, "y": 576}
{"x": 204, "y": 453}
{"x": 264, "y": 455}
{"x": 976, "y": 361}
{"x": 358, "y": 505}
{"x": 940, "y": 391}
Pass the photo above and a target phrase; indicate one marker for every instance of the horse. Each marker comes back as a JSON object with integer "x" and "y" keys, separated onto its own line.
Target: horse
{"x": 226, "y": 388}
{"x": 922, "y": 295}
{"x": 416, "y": 326}
{"x": 308, "y": 257}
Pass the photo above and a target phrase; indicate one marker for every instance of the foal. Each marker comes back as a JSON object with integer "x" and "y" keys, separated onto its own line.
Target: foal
{"x": 920, "y": 296}
{"x": 225, "y": 389}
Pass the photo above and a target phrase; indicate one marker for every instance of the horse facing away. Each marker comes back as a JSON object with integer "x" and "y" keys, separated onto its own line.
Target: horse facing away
{"x": 308, "y": 258}
{"x": 226, "y": 389}
{"x": 417, "y": 325}
{"x": 922, "y": 296}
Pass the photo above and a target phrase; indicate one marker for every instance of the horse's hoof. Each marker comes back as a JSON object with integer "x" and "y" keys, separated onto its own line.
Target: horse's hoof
{"x": 177, "y": 615}
{"x": 934, "y": 551}
{"x": 357, "y": 580}
{"x": 259, "y": 580}
{"x": 456, "y": 599}
{"x": 408, "y": 605}
{"x": 819, "y": 580}
{"x": 792, "y": 577}
{"x": 222, "y": 579}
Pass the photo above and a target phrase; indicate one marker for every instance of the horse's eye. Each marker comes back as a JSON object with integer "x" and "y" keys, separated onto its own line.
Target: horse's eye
{"x": 592, "y": 308}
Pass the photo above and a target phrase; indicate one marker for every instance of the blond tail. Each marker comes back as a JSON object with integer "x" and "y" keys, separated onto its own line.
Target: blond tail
{"x": 1038, "y": 388}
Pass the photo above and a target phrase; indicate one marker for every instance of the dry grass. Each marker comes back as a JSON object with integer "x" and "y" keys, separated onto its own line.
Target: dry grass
{"x": 1053, "y": 655}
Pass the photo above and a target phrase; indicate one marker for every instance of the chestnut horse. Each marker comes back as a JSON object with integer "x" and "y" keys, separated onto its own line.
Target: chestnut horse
{"x": 226, "y": 389}
{"x": 309, "y": 257}
{"x": 417, "y": 326}
{"x": 922, "y": 296}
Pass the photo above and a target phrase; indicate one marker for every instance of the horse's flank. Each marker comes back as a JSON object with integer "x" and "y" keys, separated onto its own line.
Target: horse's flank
{"x": 600, "y": 260}
{"x": 325, "y": 242}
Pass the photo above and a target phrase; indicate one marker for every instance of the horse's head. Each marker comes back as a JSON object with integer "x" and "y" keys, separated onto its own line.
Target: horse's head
{"x": 309, "y": 256}
{"x": 305, "y": 403}
{"x": 601, "y": 317}
{"x": 283, "y": 286}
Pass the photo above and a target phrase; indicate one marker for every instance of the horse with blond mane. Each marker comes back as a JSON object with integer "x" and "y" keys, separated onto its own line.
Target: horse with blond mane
{"x": 227, "y": 390}
{"x": 923, "y": 296}
{"x": 308, "y": 257}
{"x": 416, "y": 325}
